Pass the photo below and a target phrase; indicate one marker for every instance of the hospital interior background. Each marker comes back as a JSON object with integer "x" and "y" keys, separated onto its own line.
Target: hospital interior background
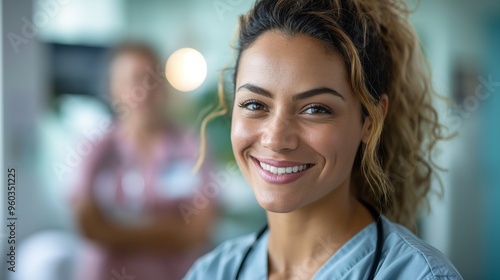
{"x": 54, "y": 94}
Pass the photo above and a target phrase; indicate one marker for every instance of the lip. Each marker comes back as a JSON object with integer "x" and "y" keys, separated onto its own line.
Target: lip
{"x": 282, "y": 178}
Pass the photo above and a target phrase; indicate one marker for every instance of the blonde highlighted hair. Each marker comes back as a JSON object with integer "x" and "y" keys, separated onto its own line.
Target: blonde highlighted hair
{"x": 382, "y": 55}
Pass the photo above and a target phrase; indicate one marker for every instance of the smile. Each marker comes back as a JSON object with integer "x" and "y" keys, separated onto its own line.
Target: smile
{"x": 280, "y": 172}
{"x": 284, "y": 170}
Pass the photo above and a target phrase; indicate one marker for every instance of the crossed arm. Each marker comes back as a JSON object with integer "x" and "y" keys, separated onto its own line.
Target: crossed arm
{"x": 165, "y": 232}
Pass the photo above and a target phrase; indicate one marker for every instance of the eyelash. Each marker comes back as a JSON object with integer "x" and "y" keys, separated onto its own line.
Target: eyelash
{"x": 325, "y": 109}
{"x": 245, "y": 104}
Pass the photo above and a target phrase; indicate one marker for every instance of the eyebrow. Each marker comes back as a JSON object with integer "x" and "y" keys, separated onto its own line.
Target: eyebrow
{"x": 298, "y": 96}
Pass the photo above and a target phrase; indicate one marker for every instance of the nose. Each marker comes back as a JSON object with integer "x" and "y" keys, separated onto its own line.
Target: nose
{"x": 279, "y": 134}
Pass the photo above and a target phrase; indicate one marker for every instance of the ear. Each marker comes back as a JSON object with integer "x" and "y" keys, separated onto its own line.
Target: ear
{"x": 383, "y": 105}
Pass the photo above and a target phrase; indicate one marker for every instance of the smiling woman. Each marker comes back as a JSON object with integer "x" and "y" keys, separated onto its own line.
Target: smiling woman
{"x": 331, "y": 113}
{"x": 303, "y": 113}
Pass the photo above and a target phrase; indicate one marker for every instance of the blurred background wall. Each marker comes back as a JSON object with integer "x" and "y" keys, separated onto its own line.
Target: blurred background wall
{"x": 53, "y": 84}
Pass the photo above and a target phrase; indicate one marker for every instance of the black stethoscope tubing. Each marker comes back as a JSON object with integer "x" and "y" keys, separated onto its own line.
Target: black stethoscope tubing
{"x": 378, "y": 248}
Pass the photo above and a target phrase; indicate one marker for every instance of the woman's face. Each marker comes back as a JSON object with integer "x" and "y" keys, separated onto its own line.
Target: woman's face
{"x": 296, "y": 123}
{"x": 133, "y": 85}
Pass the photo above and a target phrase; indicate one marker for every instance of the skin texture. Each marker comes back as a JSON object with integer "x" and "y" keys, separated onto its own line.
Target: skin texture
{"x": 324, "y": 130}
{"x": 167, "y": 232}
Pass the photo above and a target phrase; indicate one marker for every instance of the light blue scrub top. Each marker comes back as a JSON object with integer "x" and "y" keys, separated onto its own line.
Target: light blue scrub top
{"x": 404, "y": 256}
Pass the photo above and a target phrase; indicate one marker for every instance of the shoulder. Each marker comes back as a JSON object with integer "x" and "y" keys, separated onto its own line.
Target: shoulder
{"x": 405, "y": 256}
{"x": 223, "y": 261}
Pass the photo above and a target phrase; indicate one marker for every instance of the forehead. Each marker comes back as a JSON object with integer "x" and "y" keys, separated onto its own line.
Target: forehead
{"x": 276, "y": 60}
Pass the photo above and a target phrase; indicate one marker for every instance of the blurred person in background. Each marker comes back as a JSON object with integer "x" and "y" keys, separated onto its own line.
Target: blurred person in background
{"x": 127, "y": 196}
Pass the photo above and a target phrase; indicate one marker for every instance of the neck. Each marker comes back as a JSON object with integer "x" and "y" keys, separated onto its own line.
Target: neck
{"x": 300, "y": 242}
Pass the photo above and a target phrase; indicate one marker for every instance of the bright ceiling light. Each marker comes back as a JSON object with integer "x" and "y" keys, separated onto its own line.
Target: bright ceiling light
{"x": 186, "y": 69}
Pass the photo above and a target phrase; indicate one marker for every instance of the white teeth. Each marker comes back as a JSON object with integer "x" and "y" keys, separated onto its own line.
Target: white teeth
{"x": 283, "y": 170}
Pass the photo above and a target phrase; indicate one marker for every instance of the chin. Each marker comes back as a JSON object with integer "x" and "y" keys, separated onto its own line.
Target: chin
{"x": 278, "y": 204}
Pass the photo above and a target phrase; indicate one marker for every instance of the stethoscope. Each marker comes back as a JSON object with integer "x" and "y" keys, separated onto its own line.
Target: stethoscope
{"x": 378, "y": 248}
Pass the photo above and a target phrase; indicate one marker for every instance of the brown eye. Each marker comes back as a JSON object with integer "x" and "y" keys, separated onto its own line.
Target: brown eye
{"x": 252, "y": 105}
{"x": 317, "y": 109}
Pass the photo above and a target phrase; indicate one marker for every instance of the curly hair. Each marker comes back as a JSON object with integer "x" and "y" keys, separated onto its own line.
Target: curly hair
{"x": 382, "y": 55}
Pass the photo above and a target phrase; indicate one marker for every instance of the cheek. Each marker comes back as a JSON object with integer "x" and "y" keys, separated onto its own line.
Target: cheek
{"x": 334, "y": 143}
{"x": 242, "y": 135}
{"x": 324, "y": 141}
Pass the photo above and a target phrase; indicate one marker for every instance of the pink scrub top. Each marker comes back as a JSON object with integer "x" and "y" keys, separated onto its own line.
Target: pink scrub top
{"x": 129, "y": 193}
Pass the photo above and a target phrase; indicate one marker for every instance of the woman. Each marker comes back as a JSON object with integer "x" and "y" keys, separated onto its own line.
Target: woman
{"x": 126, "y": 202}
{"x": 332, "y": 124}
